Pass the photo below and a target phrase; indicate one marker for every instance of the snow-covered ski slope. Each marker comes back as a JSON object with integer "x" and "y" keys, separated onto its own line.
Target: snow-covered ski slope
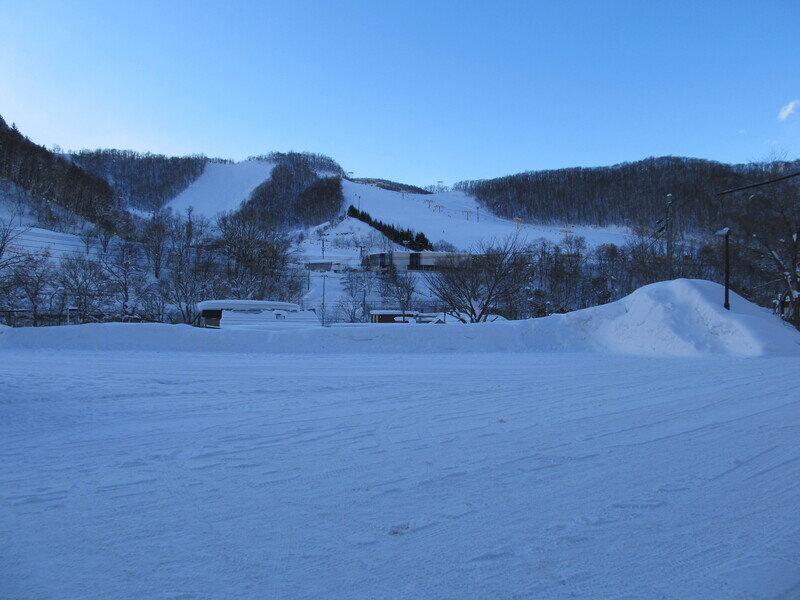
{"x": 244, "y": 476}
{"x": 35, "y": 239}
{"x": 681, "y": 318}
{"x": 222, "y": 187}
{"x": 442, "y": 217}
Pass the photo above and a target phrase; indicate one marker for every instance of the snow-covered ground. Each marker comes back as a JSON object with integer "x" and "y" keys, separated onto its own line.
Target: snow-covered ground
{"x": 681, "y": 318}
{"x": 442, "y": 217}
{"x": 35, "y": 239}
{"x": 140, "y": 475}
{"x": 147, "y": 461}
{"x": 222, "y": 187}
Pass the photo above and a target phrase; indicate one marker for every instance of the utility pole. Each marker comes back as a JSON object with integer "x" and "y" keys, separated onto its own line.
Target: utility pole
{"x": 364, "y": 301}
{"x": 726, "y": 233}
{"x": 324, "y": 277}
{"x": 670, "y": 230}
{"x": 322, "y": 237}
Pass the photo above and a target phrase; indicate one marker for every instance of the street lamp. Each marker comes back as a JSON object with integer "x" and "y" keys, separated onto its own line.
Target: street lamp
{"x": 64, "y": 302}
{"x": 324, "y": 278}
{"x": 726, "y": 233}
{"x": 322, "y": 237}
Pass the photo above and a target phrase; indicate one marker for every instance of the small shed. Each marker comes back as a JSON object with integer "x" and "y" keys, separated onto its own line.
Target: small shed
{"x": 253, "y": 314}
{"x": 337, "y": 266}
{"x": 393, "y": 316}
{"x": 432, "y": 318}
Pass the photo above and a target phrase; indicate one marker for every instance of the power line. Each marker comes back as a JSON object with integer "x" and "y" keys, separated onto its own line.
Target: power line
{"x": 755, "y": 185}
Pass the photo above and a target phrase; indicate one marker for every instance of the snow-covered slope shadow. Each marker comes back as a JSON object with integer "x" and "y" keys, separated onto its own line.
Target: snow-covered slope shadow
{"x": 673, "y": 318}
{"x": 222, "y": 187}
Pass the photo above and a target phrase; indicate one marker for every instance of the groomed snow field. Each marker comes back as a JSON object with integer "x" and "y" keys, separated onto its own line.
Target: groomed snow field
{"x": 585, "y": 471}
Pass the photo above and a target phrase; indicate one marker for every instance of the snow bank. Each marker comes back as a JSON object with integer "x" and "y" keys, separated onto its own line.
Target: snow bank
{"x": 684, "y": 317}
{"x": 675, "y": 318}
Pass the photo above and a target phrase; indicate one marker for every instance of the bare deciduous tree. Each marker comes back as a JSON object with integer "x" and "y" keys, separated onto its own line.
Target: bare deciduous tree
{"x": 127, "y": 283}
{"x": 155, "y": 240}
{"x": 32, "y": 278}
{"x": 259, "y": 259}
{"x": 399, "y": 287}
{"x": 767, "y": 223}
{"x": 474, "y": 286}
{"x": 352, "y": 306}
{"x": 84, "y": 282}
{"x": 8, "y": 236}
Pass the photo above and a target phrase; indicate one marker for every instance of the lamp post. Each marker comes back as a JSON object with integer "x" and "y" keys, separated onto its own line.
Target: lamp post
{"x": 64, "y": 301}
{"x": 670, "y": 242}
{"x": 726, "y": 233}
{"x": 324, "y": 277}
{"x": 322, "y": 237}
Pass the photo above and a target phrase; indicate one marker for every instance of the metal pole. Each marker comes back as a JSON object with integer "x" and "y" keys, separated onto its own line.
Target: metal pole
{"x": 727, "y": 270}
{"x": 670, "y": 272}
{"x": 324, "y": 277}
{"x": 726, "y": 232}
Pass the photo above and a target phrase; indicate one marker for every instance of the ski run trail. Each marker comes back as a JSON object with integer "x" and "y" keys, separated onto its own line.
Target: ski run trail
{"x": 346, "y": 473}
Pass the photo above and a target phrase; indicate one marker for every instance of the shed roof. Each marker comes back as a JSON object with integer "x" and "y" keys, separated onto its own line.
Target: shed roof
{"x": 246, "y": 305}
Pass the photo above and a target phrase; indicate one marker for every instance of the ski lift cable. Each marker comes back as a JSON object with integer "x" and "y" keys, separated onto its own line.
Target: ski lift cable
{"x": 755, "y": 185}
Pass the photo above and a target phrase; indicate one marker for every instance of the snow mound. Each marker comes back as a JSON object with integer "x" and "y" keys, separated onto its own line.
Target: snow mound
{"x": 684, "y": 317}
{"x": 674, "y": 318}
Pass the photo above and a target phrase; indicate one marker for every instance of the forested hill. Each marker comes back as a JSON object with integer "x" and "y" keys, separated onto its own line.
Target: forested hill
{"x": 624, "y": 194}
{"x": 67, "y": 191}
{"x": 149, "y": 181}
{"x": 55, "y": 184}
{"x": 143, "y": 180}
{"x": 305, "y": 189}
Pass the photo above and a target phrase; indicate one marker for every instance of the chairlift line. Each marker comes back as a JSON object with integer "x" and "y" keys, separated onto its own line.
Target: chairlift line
{"x": 755, "y": 185}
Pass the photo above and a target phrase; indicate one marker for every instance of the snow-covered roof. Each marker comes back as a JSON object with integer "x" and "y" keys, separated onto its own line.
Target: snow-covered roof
{"x": 408, "y": 313}
{"x": 246, "y": 305}
{"x": 268, "y": 320}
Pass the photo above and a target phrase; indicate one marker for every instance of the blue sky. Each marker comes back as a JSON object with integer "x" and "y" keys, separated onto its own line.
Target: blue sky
{"x": 412, "y": 91}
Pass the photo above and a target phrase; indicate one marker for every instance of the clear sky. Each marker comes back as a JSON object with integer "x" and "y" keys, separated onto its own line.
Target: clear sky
{"x": 412, "y": 91}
